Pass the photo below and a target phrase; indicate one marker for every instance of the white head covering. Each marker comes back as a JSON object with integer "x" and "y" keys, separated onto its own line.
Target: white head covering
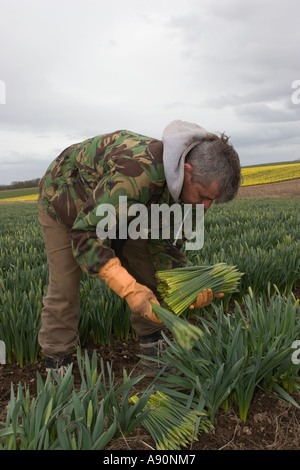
{"x": 178, "y": 138}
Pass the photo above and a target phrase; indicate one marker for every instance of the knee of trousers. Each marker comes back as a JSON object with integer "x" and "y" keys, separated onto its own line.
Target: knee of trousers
{"x": 144, "y": 327}
{"x": 61, "y": 306}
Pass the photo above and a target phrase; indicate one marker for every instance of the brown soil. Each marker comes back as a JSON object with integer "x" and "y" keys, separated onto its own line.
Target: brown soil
{"x": 271, "y": 424}
{"x": 283, "y": 189}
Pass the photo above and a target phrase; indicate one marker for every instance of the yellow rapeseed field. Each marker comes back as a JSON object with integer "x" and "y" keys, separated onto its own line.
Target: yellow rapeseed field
{"x": 270, "y": 173}
{"x": 32, "y": 197}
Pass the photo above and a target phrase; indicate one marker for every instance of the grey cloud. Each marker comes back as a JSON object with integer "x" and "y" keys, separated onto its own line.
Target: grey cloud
{"x": 76, "y": 68}
{"x": 262, "y": 112}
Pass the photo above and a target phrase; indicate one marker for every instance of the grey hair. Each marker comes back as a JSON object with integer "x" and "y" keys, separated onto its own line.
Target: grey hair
{"x": 214, "y": 159}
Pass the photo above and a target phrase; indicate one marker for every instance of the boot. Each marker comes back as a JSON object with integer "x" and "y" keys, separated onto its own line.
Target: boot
{"x": 153, "y": 346}
{"x": 58, "y": 363}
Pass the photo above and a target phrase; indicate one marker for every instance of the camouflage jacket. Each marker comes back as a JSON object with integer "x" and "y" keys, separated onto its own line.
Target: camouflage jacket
{"x": 99, "y": 171}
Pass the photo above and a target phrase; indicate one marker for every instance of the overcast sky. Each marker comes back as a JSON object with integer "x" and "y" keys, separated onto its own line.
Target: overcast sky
{"x": 73, "y": 69}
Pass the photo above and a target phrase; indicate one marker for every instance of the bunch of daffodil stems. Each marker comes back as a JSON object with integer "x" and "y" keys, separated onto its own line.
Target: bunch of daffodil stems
{"x": 181, "y": 286}
{"x": 184, "y": 332}
{"x": 171, "y": 424}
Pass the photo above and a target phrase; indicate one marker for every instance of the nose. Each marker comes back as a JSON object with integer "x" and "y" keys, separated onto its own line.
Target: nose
{"x": 207, "y": 203}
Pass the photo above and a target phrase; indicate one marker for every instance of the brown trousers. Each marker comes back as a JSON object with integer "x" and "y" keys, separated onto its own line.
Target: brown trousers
{"x": 59, "y": 331}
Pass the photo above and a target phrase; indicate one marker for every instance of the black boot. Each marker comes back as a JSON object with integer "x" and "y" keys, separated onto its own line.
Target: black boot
{"x": 59, "y": 363}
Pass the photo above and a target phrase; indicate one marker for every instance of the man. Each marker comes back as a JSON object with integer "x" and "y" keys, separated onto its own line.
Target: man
{"x": 189, "y": 166}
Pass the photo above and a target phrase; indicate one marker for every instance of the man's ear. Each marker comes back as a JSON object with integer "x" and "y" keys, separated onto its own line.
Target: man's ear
{"x": 188, "y": 169}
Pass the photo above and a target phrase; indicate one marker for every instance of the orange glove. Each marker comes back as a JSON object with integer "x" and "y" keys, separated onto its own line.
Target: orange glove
{"x": 205, "y": 298}
{"x": 125, "y": 286}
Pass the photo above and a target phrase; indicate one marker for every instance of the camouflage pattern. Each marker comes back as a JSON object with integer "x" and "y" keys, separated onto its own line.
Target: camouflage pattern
{"x": 98, "y": 171}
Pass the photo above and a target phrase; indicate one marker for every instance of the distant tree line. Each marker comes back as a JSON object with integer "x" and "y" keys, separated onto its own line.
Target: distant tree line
{"x": 21, "y": 184}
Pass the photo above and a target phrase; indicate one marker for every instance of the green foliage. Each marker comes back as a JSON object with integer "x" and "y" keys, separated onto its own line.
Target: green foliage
{"x": 23, "y": 284}
{"x": 102, "y": 313}
{"x": 240, "y": 233}
{"x": 62, "y": 418}
{"x": 238, "y": 352}
{"x": 235, "y": 354}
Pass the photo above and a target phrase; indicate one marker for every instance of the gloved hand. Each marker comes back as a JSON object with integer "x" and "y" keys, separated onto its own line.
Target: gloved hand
{"x": 205, "y": 298}
{"x": 125, "y": 286}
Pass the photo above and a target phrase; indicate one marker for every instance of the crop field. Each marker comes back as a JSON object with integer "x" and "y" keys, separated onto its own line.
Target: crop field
{"x": 252, "y": 175}
{"x": 238, "y": 385}
{"x": 30, "y": 194}
{"x": 263, "y": 174}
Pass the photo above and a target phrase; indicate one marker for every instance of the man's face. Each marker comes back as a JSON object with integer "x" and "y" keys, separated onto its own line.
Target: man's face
{"x": 195, "y": 193}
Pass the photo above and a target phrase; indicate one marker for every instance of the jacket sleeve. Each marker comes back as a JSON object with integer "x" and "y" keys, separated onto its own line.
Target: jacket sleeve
{"x": 91, "y": 251}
